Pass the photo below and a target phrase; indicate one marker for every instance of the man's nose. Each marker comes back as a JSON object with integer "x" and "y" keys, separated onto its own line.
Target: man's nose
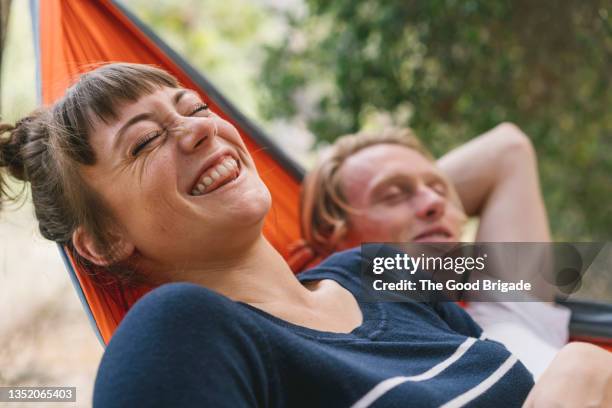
{"x": 430, "y": 205}
{"x": 191, "y": 133}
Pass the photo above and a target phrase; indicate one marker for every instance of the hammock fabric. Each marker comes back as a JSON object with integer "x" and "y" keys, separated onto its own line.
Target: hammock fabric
{"x": 73, "y": 36}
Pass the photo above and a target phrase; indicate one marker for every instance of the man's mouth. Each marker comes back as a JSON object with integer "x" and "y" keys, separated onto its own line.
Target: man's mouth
{"x": 224, "y": 171}
{"x": 434, "y": 235}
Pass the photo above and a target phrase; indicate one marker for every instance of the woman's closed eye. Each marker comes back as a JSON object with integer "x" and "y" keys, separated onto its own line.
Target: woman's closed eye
{"x": 144, "y": 141}
{"x": 200, "y": 107}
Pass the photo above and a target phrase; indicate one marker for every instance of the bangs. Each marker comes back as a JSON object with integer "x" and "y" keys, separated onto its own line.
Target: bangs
{"x": 104, "y": 90}
{"x": 101, "y": 94}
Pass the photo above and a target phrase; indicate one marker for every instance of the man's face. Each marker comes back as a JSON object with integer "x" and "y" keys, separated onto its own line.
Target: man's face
{"x": 399, "y": 196}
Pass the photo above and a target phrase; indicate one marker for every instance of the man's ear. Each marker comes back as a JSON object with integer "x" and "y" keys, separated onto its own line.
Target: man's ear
{"x": 85, "y": 246}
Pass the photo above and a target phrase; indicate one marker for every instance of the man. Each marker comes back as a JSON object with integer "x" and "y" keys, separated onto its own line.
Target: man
{"x": 386, "y": 187}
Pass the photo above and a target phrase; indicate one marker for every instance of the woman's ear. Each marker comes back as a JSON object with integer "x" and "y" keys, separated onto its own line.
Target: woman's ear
{"x": 86, "y": 247}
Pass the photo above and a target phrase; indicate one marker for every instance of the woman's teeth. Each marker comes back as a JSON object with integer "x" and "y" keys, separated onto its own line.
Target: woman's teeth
{"x": 217, "y": 176}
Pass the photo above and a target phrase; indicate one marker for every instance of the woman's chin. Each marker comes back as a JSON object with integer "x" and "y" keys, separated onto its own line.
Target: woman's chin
{"x": 251, "y": 207}
{"x": 260, "y": 205}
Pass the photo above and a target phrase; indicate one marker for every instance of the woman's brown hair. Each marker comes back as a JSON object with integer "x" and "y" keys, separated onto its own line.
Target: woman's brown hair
{"x": 47, "y": 148}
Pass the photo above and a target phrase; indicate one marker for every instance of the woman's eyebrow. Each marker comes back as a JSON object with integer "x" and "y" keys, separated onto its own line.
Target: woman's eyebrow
{"x": 177, "y": 97}
{"x": 138, "y": 118}
{"x": 185, "y": 92}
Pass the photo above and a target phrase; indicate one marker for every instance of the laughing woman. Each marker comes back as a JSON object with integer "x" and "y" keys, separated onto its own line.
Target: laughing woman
{"x": 134, "y": 173}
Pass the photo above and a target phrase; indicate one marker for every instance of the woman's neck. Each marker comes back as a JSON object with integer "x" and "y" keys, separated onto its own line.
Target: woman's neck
{"x": 259, "y": 275}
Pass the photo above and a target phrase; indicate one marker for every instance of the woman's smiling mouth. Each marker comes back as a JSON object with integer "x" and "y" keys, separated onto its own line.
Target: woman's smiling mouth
{"x": 225, "y": 170}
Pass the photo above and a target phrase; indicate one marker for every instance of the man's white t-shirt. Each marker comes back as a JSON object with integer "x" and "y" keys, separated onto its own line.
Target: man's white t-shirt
{"x": 533, "y": 331}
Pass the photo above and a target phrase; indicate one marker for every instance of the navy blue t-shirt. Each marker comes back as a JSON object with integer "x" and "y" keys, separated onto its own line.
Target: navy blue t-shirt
{"x": 183, "y": 345}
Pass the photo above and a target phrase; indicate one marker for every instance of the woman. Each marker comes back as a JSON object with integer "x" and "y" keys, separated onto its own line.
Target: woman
{"x": 135, "y": 173}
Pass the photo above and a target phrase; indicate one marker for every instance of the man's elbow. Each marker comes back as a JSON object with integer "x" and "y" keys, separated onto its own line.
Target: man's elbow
{"x": 515, "y": 141}
{"x": 515, "y": 147}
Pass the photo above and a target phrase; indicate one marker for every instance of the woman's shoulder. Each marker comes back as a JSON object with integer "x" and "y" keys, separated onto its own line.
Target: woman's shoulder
{"x": 174, "y": 313}
{"x": 175, "y": 339}
{"x": 183, "y": 300}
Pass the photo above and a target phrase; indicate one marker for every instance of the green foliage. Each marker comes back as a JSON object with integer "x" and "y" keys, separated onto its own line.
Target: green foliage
{"x": 18, "y": 79}
{"x": 216, "y": 37}
{"x": 453, "y": 69}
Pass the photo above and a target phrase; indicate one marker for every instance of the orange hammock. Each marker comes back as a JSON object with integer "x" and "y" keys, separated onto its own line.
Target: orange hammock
{"x": 72, "y": 36}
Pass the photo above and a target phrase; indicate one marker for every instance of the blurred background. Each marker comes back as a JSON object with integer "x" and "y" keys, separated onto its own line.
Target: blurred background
{"x": 308, "y": 71}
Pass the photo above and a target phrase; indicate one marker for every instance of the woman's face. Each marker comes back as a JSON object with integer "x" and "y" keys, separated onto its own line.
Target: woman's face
{"x": 178, "y": 179}
{"x": 400, "y": 196}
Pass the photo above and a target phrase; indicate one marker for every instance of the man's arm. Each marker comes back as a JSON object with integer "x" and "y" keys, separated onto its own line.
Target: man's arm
{"x": 579, "y": 376}
{"x": 496, "y": 177}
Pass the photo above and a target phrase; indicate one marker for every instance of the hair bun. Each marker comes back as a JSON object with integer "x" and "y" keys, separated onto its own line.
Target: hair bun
{"x": 12, "y": 148}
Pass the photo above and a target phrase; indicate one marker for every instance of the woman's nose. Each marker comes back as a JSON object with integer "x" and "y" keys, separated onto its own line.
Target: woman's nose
{"x": 430, "y": 205}
{"x": 192, "y": 133}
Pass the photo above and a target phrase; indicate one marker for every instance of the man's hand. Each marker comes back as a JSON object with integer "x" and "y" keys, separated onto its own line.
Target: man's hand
{"x": 579, "y": 376}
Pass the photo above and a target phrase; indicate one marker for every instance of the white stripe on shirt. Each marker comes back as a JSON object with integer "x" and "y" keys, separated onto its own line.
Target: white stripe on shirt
{"x": 481, "y": 388}
{"x": 384, "y": 386}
